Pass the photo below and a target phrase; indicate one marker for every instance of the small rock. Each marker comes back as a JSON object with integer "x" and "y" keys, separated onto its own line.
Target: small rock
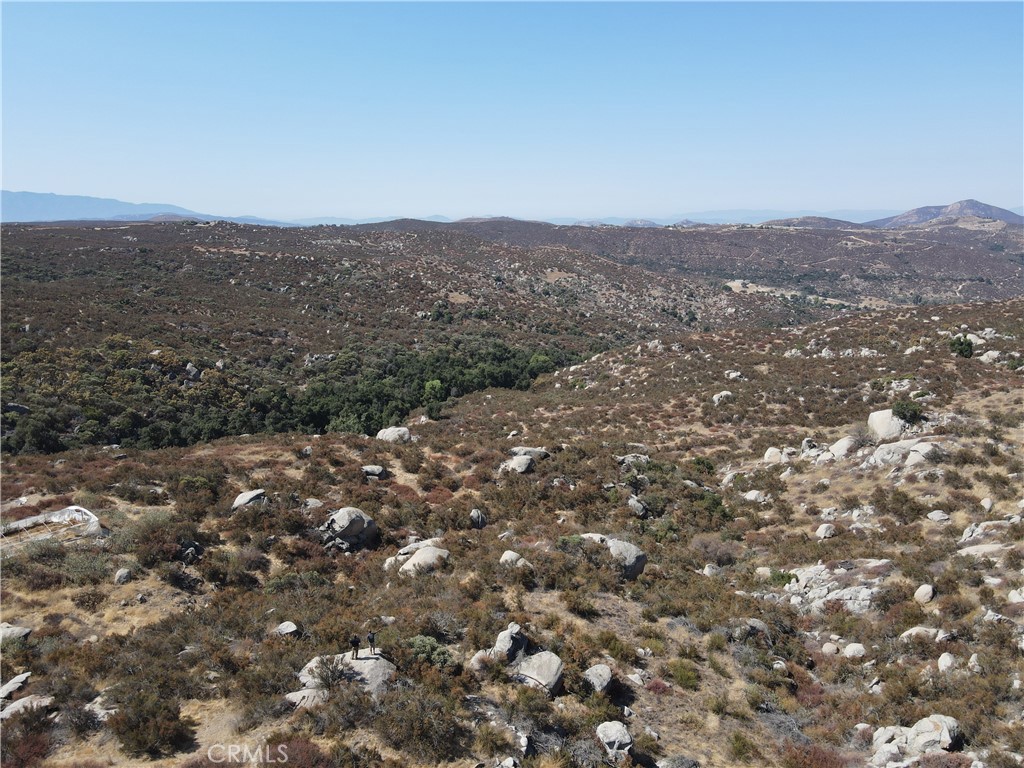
{"x": 825, "y": 531}
{"x": 286, "y": 629}
{"x": 946, "y": 662}
{"x": 599, "y": 676}
{"x": 830, "y": 649}
{"x": 16, "y": 682}
{"x": 615, "y": 738}
{"x": 123, "y": 576}
{"x": 518, "y": 464}
{"x": 854, "y": 651}
{"x": 248, "y": 497}
{"x": 924, "y": 594}
{"x": 477, "y": 519}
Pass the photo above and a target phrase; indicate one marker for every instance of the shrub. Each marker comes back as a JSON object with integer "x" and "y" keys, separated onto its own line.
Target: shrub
{"x": 908, "y": 410}
{"x": 147, "y": 723}
{"x": 961, "y": 346}
{"x": 417, "y": 721}
{"x": 25, "y": 738}
{"x": 684, "y": 674}
{"x": 811, "y": 756}
{"x": 742, "y": 748}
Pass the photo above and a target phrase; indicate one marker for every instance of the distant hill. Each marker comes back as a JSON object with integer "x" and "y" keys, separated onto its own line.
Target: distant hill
{"x": 45, "y": 206}
{"x": 961, "y": 209}
{"x": 813, "y": 222}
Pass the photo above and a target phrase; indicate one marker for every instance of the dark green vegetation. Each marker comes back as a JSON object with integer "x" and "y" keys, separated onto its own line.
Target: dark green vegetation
{"x": 121, "y": 392}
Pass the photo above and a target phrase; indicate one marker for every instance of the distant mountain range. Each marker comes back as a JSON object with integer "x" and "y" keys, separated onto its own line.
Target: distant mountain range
{"x": 37, "y": 206}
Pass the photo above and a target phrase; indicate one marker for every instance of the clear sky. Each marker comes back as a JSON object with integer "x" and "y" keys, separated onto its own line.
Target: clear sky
{"x": 522, "y": 109}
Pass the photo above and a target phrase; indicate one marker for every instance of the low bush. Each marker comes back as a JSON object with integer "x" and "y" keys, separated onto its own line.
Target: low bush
{"x": 149, "y": 723}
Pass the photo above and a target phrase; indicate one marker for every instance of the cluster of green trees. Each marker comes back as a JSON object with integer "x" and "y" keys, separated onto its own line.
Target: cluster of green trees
{"x": 121, "y": 393}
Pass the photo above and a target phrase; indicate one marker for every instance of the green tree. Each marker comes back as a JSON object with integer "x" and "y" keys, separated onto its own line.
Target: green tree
{"x": 961, "y": 346}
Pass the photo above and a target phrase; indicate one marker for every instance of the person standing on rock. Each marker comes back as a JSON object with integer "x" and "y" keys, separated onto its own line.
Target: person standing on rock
{"x": 354, "y": 642}
{"x": 370, "y": 638}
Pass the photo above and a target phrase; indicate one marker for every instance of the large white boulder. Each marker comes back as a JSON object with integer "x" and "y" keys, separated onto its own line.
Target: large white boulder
{"x": 519, "y": 464}
{"x": 348, "y": 528}
{"x": 932, "y": 734}
{"x": 924, "y": 594}
{"x": 424, "y": 560}
{"x": 885, "y": 426}
{"x": 542, "y": 670}
{"x": 615, "y": 738}
{"x": 841, "y": 447}
{"x": 248, "y": 497}
{"x": 394, "y": 435}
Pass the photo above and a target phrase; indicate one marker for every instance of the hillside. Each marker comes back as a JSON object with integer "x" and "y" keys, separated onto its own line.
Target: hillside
{"x": 707, "y": 550}
{"x": 165, "y": 334}
{"x": 898, "y": 266}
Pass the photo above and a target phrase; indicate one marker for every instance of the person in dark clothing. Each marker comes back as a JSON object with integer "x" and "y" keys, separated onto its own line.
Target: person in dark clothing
{"x": 354, "y": 642}
{"x": 370, "y": 638}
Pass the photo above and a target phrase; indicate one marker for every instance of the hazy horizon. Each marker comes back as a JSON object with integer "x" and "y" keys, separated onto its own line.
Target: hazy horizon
{"x": 528, "y": 110}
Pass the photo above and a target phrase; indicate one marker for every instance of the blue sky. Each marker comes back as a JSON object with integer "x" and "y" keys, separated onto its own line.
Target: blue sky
{"x": 521, "y": 109}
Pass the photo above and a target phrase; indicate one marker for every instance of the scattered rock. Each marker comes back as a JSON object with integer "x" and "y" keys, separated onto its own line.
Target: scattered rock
{"x": 725, "y": 394}
{"x": 394, "y": 435}
{"x": 375, "y": 471}
{"x": 830, "y": 649}
{"x": 286, "y": 629}
{"x": 519, "y": 464}
{"x": 509, "y": 644}
{"x": 477, "y": 519}
{"x": 248, "y": 497}
{"x": 542, "y": 670}
{"x": 534, "y": 453}
{"x": 123, "y": 576}
{"x": 825, "y": 531}
{"x": 854, "y": 651}
{"x": 631, "y": 460}
{"x": 348, "y": 529}
{"x": 11, "y": 632}
{"x": 14, "y": 684}
{"x": 938, "y": 516}
{"x": 512, "y": 559}
{"x": 599, "y": 676}
{"x": 637, "y": 505}
{"x": 371, "y": 672}
{"x": 946, "y": 662}
{"x": 615, "y": 738}
{"x": 924, "y": 594}
{"x": 774, "y": 456}
{"x": 424, "y": 560}
{"x": 24, "y": 704}
{"x": 885, "y": 426}
{"x": 632, "y": 559}
{"x": 677, "y": 762}
{"x": 935, "y": 732}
